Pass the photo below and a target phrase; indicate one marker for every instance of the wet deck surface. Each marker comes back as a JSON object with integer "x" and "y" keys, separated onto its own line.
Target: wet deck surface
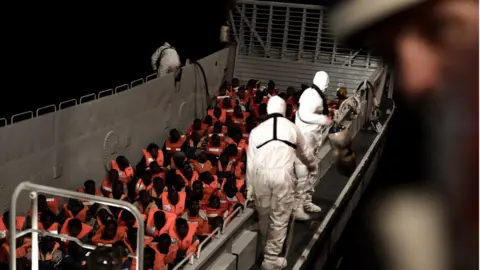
{"x": 326, "y": 192}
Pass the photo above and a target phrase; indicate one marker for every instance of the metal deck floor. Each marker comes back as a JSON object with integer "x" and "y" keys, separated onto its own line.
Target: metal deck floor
{"x": 326, "y": 192}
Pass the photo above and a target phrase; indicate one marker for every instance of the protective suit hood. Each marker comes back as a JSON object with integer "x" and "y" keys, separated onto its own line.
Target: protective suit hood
{"x": 321, "y": 80}
{"x": 276, "y": 104}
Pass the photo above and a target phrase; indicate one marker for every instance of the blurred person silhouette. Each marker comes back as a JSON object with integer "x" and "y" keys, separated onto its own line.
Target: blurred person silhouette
{"x": 433, "y": 47}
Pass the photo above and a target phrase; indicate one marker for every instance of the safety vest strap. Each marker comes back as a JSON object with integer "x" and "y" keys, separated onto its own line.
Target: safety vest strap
{"x": 294, "y": 146}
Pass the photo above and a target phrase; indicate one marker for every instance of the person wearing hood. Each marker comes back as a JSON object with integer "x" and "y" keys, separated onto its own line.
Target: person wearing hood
{"x": 165, "y": 60}
{"x": 271, "y": 178}
{"x": 310, "y": 120}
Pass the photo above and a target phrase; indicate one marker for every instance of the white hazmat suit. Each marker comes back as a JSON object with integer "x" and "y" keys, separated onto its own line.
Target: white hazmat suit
{"x": 310, "y": 121}
{"x": 273, "y": 147}
{"x": 165, "y": 60}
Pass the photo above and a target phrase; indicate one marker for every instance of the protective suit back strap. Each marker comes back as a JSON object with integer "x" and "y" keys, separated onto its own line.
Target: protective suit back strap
{"x": 275, "y": 136}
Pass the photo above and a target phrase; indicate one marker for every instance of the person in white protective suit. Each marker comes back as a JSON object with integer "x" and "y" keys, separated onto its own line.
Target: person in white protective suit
{"x": 310, "y": 120}
{"x": 273, "y": 147}
{"x": 165, "y": 60}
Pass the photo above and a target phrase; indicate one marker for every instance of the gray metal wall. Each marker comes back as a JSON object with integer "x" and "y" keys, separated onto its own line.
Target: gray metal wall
{"x": 65, "y": 148}
{"x": 287, "y": 73}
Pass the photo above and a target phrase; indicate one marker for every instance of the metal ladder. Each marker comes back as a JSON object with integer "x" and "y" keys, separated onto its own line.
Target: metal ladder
{"x": 34, "y": 190}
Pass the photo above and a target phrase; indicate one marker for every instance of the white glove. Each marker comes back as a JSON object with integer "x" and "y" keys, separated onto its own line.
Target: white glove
{"x": 250, "y": 193}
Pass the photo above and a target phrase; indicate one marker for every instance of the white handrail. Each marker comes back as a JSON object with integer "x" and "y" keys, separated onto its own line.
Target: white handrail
{"x": 188, "y": 258}
{"x": 206, "y": 240}
{"x": 229, "y": 217}
{"x": 34, "y": 188}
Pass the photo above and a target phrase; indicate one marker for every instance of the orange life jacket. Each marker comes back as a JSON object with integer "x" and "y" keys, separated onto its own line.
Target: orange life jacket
{"x": 216, "y": 212}
{"x": 203, "y": 167}
{"x": 239, "y": 170}
{"x": 178, "y": 209}
{"x": 223, "y": 116}
{"x": 149, "y": 159}
{"x": 190, "y": 129}
{"x": 215, "y": 150}
{"x": 222, "y": 172}
{"x": 139, "y": 186}
{"x": 202, "y": 223}
{"x": 124, "y": 176}
{"x": 20, "y": 251}
{"x": 169, "y": 221}
{"x": 19, "y": 223}
{"x": 82, "y": 215}
{"x": 121, "y": 222}
{"x": 54, "y": 228}
{"x": 188, "y": 182}
{"x": 175, "y": 147}
{"x": 86, "y": 229}
{"x": 189, "y": 243}
{"x": 97, "y": 238}
{"x": 106, "y": 187}
{"x": 162, "y": 260}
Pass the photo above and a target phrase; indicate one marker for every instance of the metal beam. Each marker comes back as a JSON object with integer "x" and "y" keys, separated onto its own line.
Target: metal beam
{"x": 257, "y": 36}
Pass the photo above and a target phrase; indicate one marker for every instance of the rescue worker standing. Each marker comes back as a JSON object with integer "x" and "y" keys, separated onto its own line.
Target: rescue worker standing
{"x": 273, "y": 148}
{"x": 310, "y": 120}
{"x": 165, "y": 60}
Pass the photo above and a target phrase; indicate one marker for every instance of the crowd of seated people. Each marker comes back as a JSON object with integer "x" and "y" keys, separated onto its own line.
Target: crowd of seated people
{"x": 184, "y": 190}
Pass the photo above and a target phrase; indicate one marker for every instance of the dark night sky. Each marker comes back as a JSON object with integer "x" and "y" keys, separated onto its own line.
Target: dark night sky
{"x": 54, "y": 53}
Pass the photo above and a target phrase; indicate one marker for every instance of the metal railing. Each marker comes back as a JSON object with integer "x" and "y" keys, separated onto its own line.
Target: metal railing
{"x": 34, "y": 190}
{"x": 291, "y": 31}
{"x": 75, "y": 102}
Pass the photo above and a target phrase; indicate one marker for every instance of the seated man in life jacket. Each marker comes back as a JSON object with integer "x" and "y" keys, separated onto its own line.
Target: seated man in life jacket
{"x": 152, "y": 153}
{"x": 75, "y": 259}
{"x": 145, "y": 202}
{"x": 149, "y": 259}
{"x": 195, "y": 215}
{"x": 156, "y": 191}
{"x": 45, "y": 204}
{"x": 176, "y": 142}
{"x": 50, "y": 252}
{"x": 202, "y": 163}
{"x": 125, "y": 170}
{"x": 218, "y": 115}
{"x": 102, "y": 215}
{"x": 73, "y": 209}
{"x": 108, "y": 234}
{"x": 89, "y": 187}
{"x": 219, "y": 129}
{"x": 183, "y": 235}
{"x": 180, "y": 164}
{"x": 197, "y": 126}
{"x": 174, "y": 197}
{"x": 48, "y": 222}
{"x": 243, "y": 98}
{"x": 159, "y": 222}
{"x": 207, "y": 121}
{"x": 123, "y": 252}
{"x": 215, "y": 208}
{"x": 144, "y": 182}
{"x": 106, "y": 187}
{"x": 233, "y": 194}
{"x": 166, "y": 252}
{"x": 130, "y": 239}
{"x": 215, "y": 146}
{"x": 197, "y": 194}
{"x": 209, "y": 182}
{"x": 195, "y": 143}
{"x": 225, "y": 166}
{"x": 75, "y": 228}
{"x": 235, "y": 84}
{"x": 261, "y": 112}
{"x": 232, "y": 151}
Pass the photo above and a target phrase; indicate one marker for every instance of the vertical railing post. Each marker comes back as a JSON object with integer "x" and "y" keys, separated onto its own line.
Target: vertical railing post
{"x": 269, "y": 29}
{"x": 318, "y": 45}
{"x": 35, "y": 247}
{"x": 367, "y": 61}
{"x": 285, "y": 33}
{"x": 334, "y": 51}
{"x": 253, "y": 25}
{"x": 302, "y": 34}
{"x": 242, "y": 29}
